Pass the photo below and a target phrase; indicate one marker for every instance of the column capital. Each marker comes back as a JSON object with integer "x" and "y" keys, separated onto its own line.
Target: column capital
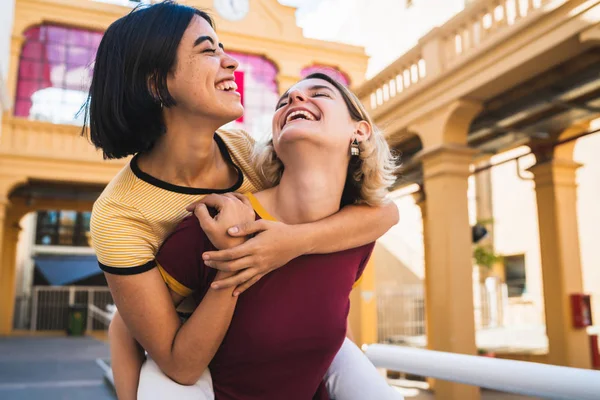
{"x": 557, "y": 172}
{"x": 447, "y": 159}
{"x": 447, "y": 124}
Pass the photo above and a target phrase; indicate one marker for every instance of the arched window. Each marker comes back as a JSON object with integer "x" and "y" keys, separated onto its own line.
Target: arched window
{"x": 331, "y": 71}
{"x": 55, "y": 72}
{"x": 257, "y": 82}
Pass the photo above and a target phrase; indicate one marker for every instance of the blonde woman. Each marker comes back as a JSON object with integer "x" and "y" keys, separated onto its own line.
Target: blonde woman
{"x": 279, "y": 338}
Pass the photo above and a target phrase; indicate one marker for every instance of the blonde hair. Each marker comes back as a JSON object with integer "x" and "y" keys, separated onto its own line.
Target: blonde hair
{"x": 369, "y": 175}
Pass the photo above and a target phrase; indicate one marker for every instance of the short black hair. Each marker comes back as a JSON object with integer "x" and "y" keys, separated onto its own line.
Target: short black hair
{"x": 136, "y": 53}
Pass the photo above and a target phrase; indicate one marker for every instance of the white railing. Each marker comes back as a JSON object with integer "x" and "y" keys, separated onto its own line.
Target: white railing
{"x": 401, "y": 310}
{"x": 50, "y": 306}
{"x": 480, "y": 23}
{"x": 519, "y": 377}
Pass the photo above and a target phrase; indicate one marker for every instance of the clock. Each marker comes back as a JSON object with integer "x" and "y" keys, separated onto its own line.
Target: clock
{"x": 233, "y": 10}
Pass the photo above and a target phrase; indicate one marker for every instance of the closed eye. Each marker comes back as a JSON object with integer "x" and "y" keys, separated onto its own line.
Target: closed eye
{"x": 321, "y": 94}
{"x": 210, "y": 51}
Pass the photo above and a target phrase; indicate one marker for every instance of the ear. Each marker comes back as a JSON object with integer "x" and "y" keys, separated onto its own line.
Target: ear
{"x": 152, "y": 88}
{"x": 362, "y": 131}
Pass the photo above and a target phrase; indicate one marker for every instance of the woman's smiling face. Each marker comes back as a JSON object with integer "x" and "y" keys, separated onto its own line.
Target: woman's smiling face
{"x": 202, "y": 80}
{"x": 313, "y": 111}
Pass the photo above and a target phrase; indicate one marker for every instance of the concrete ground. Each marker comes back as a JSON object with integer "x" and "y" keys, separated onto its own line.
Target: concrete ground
{"x": 413, "y": 390}
{"x": 52, "y": 368}
{"x": 65, "y": 368}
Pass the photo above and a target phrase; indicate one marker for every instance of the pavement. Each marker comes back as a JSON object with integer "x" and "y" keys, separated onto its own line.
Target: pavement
{"x": 52, "y": 368}
{"x": 66, "y": 368}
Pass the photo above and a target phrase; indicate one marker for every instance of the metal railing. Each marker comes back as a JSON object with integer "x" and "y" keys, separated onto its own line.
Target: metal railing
{"x": 401, "y": 310}
{"x": 519, "y": 377}
{"x": 50, "y": 306}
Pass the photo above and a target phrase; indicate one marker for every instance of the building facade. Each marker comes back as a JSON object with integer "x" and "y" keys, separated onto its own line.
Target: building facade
{"x": 50, "y": 176}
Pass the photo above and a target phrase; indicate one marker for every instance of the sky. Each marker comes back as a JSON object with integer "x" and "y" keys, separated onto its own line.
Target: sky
{"x": 386, "y": 28}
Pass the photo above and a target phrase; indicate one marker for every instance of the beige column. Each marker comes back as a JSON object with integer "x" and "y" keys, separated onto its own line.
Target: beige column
{"x": 556, "y": 193}
{"x": 421, "y": 201}
{"x": 6, "y": 278}
{"x": 363, "y": 307}
{"x": 448, "y": 256}
{"x": 9, "y": 218}
{"x": 7, "y": 283}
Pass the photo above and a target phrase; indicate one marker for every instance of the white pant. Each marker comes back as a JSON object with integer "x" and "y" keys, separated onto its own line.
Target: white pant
{"x": 351, "y": 376}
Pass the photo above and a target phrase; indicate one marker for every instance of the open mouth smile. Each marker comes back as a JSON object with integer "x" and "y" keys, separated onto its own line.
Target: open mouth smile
{"x": 295, "y": 115}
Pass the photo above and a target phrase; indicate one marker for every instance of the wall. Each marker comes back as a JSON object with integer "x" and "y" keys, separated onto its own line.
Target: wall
{"x": 588, "y": 177}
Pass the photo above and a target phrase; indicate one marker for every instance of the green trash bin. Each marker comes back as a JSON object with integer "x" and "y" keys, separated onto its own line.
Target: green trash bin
{"x": 77, "y": 320}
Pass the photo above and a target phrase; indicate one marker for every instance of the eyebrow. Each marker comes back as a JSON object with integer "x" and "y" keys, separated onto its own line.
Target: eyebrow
{"x": 315, "y": 87}
{"x": 203, "y": 39}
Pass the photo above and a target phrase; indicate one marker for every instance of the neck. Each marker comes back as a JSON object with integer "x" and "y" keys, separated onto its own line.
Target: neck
{"x": 186, "y": 154}
{"x": 308, "y": 191}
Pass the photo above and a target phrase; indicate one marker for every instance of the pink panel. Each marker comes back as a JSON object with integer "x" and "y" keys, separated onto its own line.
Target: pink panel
{"x": 259, "y": 88}
{"x": 54, "y": 56}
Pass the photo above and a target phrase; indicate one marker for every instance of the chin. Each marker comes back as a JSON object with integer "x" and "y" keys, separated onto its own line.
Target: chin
{"x": 233, "y": 113}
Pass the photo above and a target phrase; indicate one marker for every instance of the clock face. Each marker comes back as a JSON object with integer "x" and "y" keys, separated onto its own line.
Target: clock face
{"x": 233, "y": 10}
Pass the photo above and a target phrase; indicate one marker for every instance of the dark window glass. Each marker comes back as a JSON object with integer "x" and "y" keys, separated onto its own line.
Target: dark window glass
{"x": 63, "y": 228}
{"x": 514, "y": 268}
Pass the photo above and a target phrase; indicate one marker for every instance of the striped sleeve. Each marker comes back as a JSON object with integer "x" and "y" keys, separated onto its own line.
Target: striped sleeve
{"x": 121, "y": 238}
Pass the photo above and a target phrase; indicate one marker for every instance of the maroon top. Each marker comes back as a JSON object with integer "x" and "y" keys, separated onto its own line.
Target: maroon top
{"x": 286, "y": 328}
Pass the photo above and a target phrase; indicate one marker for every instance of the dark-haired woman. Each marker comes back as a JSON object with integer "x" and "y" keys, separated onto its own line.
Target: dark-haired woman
{"x": 162, "y": 86}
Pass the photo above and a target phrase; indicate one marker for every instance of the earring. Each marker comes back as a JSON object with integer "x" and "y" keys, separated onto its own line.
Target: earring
{"x": 354, "y": 149}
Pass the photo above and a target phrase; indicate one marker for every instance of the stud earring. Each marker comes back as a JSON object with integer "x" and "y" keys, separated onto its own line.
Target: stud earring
{"x": 354, "y": 149}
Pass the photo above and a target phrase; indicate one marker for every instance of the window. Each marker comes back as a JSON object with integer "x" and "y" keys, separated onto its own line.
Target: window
{"x": 514, "y": 269}
{"x": 257, "y": 83}
{"x": 55, "y": 72}
{"x": 63, "y": 228}
{"x": 331, "y": 71}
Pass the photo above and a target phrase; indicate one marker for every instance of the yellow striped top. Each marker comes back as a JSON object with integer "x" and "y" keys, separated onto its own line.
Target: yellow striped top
{"x": 136, "y": 212}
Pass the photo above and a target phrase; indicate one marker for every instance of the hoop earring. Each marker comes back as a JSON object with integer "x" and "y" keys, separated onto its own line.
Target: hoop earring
{"x": 354, "y": 149}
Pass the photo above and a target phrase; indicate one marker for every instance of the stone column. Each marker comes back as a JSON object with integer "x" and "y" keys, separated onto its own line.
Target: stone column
{"x": 556, "y": 193}
{"x": 448, "y": 257}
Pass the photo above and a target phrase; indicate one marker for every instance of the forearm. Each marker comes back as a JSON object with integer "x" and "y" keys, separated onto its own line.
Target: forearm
{"x": 197, "y": 341}
{"x": 351, "y": 227}
{"x": 127, "y": 358}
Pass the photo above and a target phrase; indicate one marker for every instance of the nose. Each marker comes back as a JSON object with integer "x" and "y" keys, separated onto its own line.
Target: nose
{"x": 229, "y": 62}
{"x": 297, "y": 95}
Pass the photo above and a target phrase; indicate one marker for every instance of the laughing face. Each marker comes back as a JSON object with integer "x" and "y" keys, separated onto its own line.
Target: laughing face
{"x": 313, "y": 111}
{"x": 202, "y": 80}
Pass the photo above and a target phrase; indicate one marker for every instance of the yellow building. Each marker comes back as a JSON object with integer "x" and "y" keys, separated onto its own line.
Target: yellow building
{"x": 497, "y": 76}
{"x": 50, "y": 175}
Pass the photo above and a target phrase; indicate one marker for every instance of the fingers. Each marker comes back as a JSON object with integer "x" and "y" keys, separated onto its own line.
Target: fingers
{"x": 243, "y": 199}
{"x": 243, "y": 250}
{"x": 192, "y": 206}
{"x": 217, "y": 200}
{"x": 235, "y": 280}
{"x": 214, "y": 200}
{"x": 244, "y": 286}
{"x": 249, "y": 228}
{"x": 206, "y": 221}
{"x": 231, "y": 266}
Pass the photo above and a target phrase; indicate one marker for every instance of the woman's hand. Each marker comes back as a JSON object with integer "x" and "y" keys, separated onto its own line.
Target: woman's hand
{"x": 274, "y": 245}
{"x": 232, "y": 209}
